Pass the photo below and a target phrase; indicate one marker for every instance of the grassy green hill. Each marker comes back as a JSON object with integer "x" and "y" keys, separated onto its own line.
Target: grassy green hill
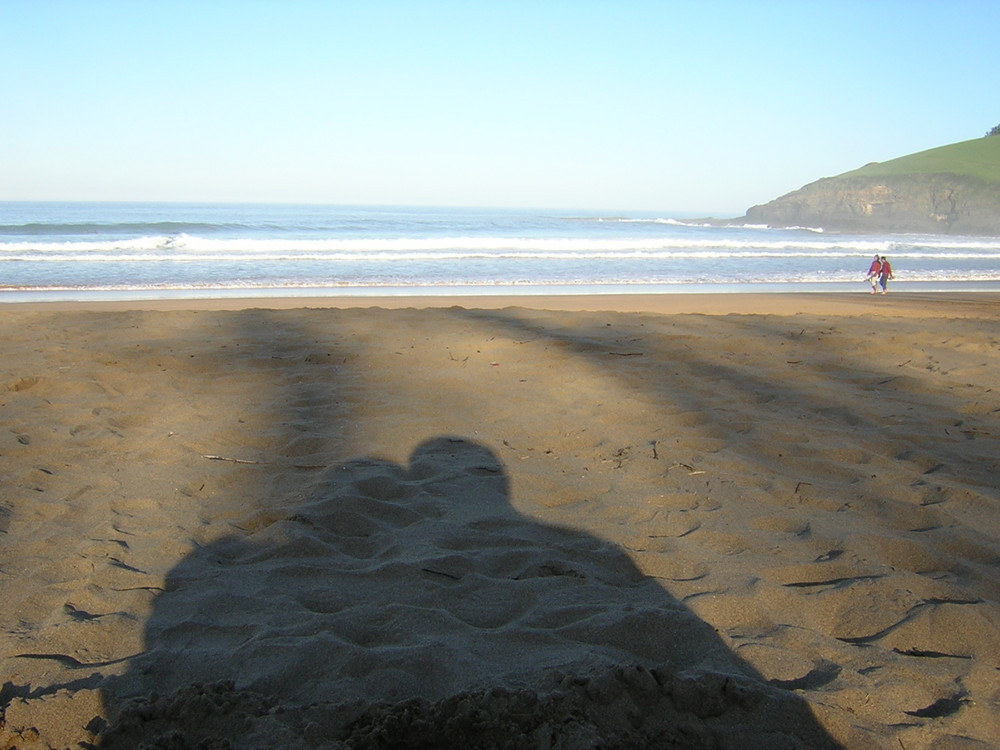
{"x": 952, "y": 189}
{"x": 979, "y": 158}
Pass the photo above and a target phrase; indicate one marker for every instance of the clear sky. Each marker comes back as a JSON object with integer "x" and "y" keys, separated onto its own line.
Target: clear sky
{"x": 703, "y": 106}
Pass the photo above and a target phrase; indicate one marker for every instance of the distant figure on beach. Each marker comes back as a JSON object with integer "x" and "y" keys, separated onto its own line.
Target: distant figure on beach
{"x": 874, "y": 271}
{"x": 884, "y": 275}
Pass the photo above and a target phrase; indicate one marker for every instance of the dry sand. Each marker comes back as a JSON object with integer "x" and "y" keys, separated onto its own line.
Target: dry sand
{"x": 739, "y": 522}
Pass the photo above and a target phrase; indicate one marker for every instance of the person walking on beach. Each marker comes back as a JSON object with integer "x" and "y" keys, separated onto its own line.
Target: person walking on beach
{"x": 885, "y": 273}
{"x": 874, "y": 271}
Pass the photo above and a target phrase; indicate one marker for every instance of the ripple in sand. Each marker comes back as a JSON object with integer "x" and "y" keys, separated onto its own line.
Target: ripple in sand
{"x": 671, "y": 566}
{"x": 775, "y": 663}
{"x": 492, "y": 607}
{"x": 781, "y": 524}
{"x": 676, "y": 523}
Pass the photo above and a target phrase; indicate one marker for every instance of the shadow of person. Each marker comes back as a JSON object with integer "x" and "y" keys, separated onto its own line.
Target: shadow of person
{"x": 414, "y": 606}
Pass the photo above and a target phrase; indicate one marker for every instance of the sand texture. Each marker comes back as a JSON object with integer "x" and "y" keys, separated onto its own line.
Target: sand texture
{"x": 502, "y": 527}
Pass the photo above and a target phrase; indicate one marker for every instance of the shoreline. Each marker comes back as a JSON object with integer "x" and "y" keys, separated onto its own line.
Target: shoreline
{"x": 948, "y": 304}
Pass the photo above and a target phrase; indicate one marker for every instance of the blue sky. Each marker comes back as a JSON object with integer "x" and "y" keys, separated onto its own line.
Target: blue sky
{"x": 689, "y": 107}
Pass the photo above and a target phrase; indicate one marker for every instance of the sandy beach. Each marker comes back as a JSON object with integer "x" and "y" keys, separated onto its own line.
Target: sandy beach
{"x": 693, "y": 521}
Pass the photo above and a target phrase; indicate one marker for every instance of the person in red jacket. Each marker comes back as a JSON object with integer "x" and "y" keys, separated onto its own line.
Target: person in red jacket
{"x": 874, "y": 271}
{"x": 885, "y": 273}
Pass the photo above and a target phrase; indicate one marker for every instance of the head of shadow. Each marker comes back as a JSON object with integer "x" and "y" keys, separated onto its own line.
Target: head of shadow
{"x": 412, "y": 606}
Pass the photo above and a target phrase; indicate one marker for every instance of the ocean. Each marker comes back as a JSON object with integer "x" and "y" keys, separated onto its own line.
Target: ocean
{"x": 81, "y": 251}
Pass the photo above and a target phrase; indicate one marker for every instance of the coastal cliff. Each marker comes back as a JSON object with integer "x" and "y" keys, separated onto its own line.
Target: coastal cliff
{"x": 953, "y": 189}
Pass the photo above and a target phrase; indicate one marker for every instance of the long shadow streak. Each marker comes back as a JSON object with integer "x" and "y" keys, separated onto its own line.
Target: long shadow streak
{"x": 411, "y": 606}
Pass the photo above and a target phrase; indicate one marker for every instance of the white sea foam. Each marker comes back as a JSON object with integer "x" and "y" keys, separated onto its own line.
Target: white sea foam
{"x": 259, "y": 247}
{"x": 450, "y": 247}
{"x": 990, "y": 281}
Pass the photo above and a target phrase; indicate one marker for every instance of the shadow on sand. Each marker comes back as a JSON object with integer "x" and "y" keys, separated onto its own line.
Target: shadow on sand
{"x": 411, "y": 606}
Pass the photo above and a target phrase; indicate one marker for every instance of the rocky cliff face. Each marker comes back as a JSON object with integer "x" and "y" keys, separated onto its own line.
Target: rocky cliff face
{"x": 934, "y": 203}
